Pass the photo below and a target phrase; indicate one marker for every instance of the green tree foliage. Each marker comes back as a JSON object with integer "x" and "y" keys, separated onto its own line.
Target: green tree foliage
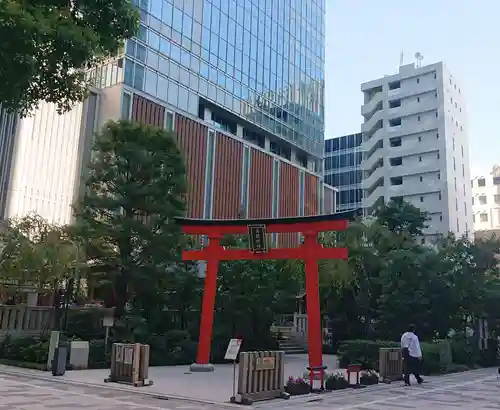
{"x": 135, "y": 189}
{"x": 47, "y": 45}
{"x": 36, "y": 252}
{"x": 391, "y": 280}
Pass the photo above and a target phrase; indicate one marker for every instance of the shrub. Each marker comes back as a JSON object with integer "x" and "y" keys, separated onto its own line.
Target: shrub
{"x": 366, "y": 353}
{"x": 336, "y": 382}
{"x": 296, "y": 386}
{"x": 98, "y": 358}
{"x": 25, "y": 349}
{"x": 363, "y": 352}
{"x": 369, "y": 377}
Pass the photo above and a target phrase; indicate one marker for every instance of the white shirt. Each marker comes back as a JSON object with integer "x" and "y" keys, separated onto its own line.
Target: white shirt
{"x": 410, "y": 341}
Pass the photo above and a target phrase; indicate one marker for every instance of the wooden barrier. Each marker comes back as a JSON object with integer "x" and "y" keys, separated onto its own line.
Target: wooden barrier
{"x": 130, "y": 364}
{"x": 391, "y": 364}
{"x": 261, "y": 376}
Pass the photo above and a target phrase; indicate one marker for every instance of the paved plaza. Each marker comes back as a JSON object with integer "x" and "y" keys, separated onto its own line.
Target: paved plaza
{"x": 474, "y": 390}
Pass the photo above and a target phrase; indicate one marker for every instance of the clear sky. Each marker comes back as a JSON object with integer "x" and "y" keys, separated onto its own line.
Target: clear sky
{"x": 364, "y": 40}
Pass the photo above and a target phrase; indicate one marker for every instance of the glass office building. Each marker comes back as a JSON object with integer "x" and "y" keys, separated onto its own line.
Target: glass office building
{"x": 256, "y": 65}
{"x": 343, "y": 158}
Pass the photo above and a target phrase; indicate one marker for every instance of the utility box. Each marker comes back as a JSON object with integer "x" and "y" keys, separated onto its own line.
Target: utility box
{"x": 79, "y": 355}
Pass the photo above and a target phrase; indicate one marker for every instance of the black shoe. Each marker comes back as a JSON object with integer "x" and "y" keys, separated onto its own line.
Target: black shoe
{"x": 420, "y": 381}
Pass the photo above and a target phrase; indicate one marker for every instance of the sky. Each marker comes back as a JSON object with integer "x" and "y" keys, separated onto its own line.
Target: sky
{"x": 364, "y": 40}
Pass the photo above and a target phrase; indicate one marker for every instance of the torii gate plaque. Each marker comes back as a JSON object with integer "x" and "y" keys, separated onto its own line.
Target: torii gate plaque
{"x": 310, "y": 252}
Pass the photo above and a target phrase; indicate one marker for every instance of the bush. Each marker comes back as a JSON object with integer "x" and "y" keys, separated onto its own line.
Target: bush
{"x": 368, "y": 377}
{"x": 362, "y": 352}
{"x": 25, "y": 349}
{"x": 297, "y": 386}
{"x": 336, "y": 382}
{"x": 366, "y": 353}
{"x": 98, "y": 358}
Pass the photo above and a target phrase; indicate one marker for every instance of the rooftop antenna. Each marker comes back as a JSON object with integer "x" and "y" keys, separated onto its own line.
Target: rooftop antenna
{"x": 401, "y": 58}
{"x": 419, "y": 57}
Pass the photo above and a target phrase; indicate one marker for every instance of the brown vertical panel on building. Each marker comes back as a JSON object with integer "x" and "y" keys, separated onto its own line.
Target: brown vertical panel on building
{"x": 260, "y": 193}
{"x": 227, "y": 177}
{"x": 147, "y": 112}
{"x": 192, "y": 139}
{"x": 311, "y": 195}
{"x": 288, "y": 201}
{"x": 328, "y": 198}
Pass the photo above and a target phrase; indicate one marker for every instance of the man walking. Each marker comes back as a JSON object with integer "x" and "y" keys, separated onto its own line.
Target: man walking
{"x": 412, "y": 355}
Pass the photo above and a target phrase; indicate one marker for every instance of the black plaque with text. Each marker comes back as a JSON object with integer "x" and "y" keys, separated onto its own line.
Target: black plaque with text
{"x": 258, "y": 238}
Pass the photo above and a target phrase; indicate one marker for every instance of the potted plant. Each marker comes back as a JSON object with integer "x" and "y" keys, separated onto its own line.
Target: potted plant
{"x": 369, "y": 377}
{"x": 336, "y": 382}
{"x": 296, "y": 386}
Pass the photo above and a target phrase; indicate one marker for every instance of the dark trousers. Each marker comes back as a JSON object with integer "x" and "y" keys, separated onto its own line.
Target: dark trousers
{"x": 411, "y": 366}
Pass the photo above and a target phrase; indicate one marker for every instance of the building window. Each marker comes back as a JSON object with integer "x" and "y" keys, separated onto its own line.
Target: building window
{"x": 439, "y": 196}
{"x": 419, "y": 139}
{"x": 454, "y": 164}
{"x": 126, "y": 106}
{"x": 437, "y": 135}
{"x": 276, "y": 187}
{"x": 438, "y": 155}
{"x": 418, "y": 80}
{"x": 482, "y": 200}
{"x": 169, "y": 121}
{"x": 496, "y": 198}
{"x": 463, "y": 170}
{"x": 437, "y": 114}
{"x": 435, "y": 75}
{"x": 421, "y": 178}
{"x": 465, "y": 208}
{"x": 439, "y": 175}
{"x": 483, "y": 217}
{"x": 422, "y": 241}
{"x": 418, "y": 118}
{"x": 441, "y": 218}
{"x": 209, "y": 177}
{"x": 420, "y": 158}
{"x": 481, "y": 182}
{"x": 496, "y": 180}
{"x": 462, "y": 149}
{"x": 474, "y": 218}
{"x": 472, "y": 200}
{"x": 418, "y": 99}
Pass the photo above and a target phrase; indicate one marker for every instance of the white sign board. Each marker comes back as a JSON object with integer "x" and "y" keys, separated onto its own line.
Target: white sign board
{"x": 232, "y": 349}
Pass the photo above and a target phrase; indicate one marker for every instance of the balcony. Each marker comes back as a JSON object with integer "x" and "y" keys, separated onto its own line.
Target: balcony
{"x": 372, "y": 123}
{"x": 371, "y": 199}
{"x": 369, "y": 144}
{"x": 412, "y": 109}
{"x": 374, "y": 178}
{"x": 374, "y": 104}
{"x": 369, "y": 163}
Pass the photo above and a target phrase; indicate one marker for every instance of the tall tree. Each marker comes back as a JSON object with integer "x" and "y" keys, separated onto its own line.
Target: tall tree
{"x": 47, "y": 45}
{"x": 37, "y": 253}
{"x": 402, "y": 218}
{"x": 136, "y": 186}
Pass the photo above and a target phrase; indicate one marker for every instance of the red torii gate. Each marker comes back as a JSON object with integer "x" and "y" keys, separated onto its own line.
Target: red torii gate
{"x": 310, "y": 251}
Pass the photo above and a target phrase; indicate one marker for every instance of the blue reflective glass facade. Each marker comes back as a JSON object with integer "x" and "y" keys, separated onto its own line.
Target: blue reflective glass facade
{"x": 262, "y": 60}
{"x": 342, "y": 169}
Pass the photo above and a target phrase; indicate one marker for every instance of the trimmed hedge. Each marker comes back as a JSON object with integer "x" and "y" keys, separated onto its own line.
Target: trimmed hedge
{"x": 436, "y": 358}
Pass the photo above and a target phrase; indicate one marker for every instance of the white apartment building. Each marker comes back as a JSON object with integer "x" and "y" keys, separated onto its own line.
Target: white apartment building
{"x": 486, "y": 200}
{"x": 415, "y": 146}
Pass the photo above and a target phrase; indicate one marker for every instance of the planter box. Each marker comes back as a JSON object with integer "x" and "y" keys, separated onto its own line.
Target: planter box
{"x": 297, "y": 389}
{"x": 336, "y": 385}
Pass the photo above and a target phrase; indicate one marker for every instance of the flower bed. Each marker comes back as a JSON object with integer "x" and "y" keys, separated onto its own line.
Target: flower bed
{"x": 297, "y": 386}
